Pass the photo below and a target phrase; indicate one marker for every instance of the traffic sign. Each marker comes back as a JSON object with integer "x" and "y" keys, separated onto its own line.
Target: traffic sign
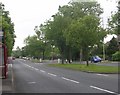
{"x": 1, "y": 33}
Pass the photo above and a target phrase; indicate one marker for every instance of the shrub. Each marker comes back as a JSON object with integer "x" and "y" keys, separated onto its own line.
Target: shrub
{"x": 116, "y": 56}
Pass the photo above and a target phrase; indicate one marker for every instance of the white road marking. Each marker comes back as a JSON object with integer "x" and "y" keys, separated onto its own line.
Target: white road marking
{"x": 102, "y": 89}
{"x": 70, "y": 80}
{"x": 52, "y": 74}
{"x": 32, "y": 67}
{"x": 36, "y": 69}
{"x": 102, "y": 75}
{"x": 31, "y": 82}
{"x": 42, "y": 71}
{"x": 29, "y": 66}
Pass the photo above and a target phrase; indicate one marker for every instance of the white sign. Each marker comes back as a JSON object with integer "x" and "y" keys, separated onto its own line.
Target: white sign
{"x": 1, "y": 33}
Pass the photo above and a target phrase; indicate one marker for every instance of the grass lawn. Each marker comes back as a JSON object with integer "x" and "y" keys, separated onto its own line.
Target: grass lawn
{"x": 35, "y": 60}
{"x": 90, "y": 68}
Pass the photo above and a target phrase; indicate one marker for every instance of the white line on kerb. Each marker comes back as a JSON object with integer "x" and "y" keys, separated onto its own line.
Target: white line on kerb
{"x": 52, "y": 74}
{"x": 102, "y": 75}
{"x": 42, "y": 71}
{"x": 102, "y": 89}
{"x": 70, "y": 80}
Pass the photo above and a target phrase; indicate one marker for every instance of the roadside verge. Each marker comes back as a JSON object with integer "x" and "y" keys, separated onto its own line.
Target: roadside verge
{"x": 92, "y": 68}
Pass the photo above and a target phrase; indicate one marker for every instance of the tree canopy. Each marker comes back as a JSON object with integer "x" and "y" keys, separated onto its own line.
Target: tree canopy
{"x": 74, "y": 27}
{"x": 7, "y": 26}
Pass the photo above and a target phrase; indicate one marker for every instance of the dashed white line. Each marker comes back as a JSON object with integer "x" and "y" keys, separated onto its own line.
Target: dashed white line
{"x": 102, "y": 89}
{"x": 52, "y": 74}
{"x": 42, "y": 71}
{"x": 36, "y": 69}
{"x": 102, "y": 75}
{"x": 70, "y": 80}
{"x": 31, "y": 82}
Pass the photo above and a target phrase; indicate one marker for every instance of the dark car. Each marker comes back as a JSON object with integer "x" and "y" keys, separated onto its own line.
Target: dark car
{"x": 96, "y": 59}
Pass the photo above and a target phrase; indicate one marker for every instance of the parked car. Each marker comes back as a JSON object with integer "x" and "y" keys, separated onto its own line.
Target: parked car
{"x": 96, "y": 59}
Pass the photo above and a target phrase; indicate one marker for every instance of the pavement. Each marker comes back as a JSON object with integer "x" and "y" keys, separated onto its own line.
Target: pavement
{"x": 7, "y": 84}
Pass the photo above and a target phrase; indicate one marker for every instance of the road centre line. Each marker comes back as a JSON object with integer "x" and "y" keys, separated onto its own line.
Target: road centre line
{"x": 70, "y": 80}
{"x": 102, "y": 75}
{"x": 36, "y": 69}
{"x": 102, "y": 89}
{"x": 52, "y": 74}
{"x": 31, "y": 82}
{"x": 42, "y": 71}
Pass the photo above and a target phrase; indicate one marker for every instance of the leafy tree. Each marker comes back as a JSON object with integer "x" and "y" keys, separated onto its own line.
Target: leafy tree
{"x": 112, "y": 47}
{"x": 7, "y": 26}
{"x": 114, "y": 23}
{"x": 55, "y": 33}
{"x": 116, "y": 56}
{"x": 84, "y": 27}
{"x": 17, "y": 53}
{"x": 36, "y": 48}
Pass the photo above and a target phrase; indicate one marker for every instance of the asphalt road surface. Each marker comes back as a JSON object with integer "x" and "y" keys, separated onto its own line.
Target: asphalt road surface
{"x": 38, "y": 78}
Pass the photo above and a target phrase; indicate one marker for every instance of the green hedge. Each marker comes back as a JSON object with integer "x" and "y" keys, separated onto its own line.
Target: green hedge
{"x": 116, "y": 56}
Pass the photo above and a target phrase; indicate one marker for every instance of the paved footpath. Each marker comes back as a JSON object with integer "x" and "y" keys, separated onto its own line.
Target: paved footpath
{"x": 7, "y": 84}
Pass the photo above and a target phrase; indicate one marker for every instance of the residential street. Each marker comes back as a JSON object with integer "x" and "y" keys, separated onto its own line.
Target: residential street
{"x": 39, "y": 78}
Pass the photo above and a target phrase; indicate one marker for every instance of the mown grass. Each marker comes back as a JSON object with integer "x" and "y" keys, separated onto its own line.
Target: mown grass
{"x": 90, "y": 68}
{"x": 35, "y": 60}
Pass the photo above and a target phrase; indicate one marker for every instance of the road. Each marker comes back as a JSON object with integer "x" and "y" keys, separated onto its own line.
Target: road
{"x": 38, "y": 78}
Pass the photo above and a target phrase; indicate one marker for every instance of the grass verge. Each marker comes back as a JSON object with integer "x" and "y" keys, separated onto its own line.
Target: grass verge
{"x": 90, "y": 68}
{"x": 35, "y": 60}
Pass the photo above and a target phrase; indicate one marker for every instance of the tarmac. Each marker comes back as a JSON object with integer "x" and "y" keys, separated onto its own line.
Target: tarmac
{"x": 7, "y": 85}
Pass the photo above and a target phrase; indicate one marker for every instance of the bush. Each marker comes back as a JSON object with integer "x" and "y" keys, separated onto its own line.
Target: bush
{"x": 116, "y": 56}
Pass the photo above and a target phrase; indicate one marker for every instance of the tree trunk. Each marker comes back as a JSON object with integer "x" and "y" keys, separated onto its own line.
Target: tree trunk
{"x": 43, "y": 55}
{"x": 87, "y": 63}
{"x": 81, "y": 55}
{"x": 70, "y": 56}
{"x": 62, "y": 58}
{"x": 87, "y": 56}
{"x": 119, "y": 41}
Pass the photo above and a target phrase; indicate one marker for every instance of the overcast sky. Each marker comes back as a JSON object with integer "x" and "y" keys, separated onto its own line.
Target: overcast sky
{"x": 26, "y": 14}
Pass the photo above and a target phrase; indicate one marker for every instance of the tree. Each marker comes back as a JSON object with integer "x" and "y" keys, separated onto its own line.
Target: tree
{"x": 114, "y": 24}
{"x": 55, "y": 33}
{"x": 112, "y": 47}
{"x": 84, "y": 34}
{"x": 7, "y": 26}
{"x": 17, "y": 53}
{"x": 84, "y": 27}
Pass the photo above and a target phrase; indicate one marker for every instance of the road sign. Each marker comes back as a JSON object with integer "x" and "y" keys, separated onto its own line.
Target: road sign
{"x": 1, "y": 33}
